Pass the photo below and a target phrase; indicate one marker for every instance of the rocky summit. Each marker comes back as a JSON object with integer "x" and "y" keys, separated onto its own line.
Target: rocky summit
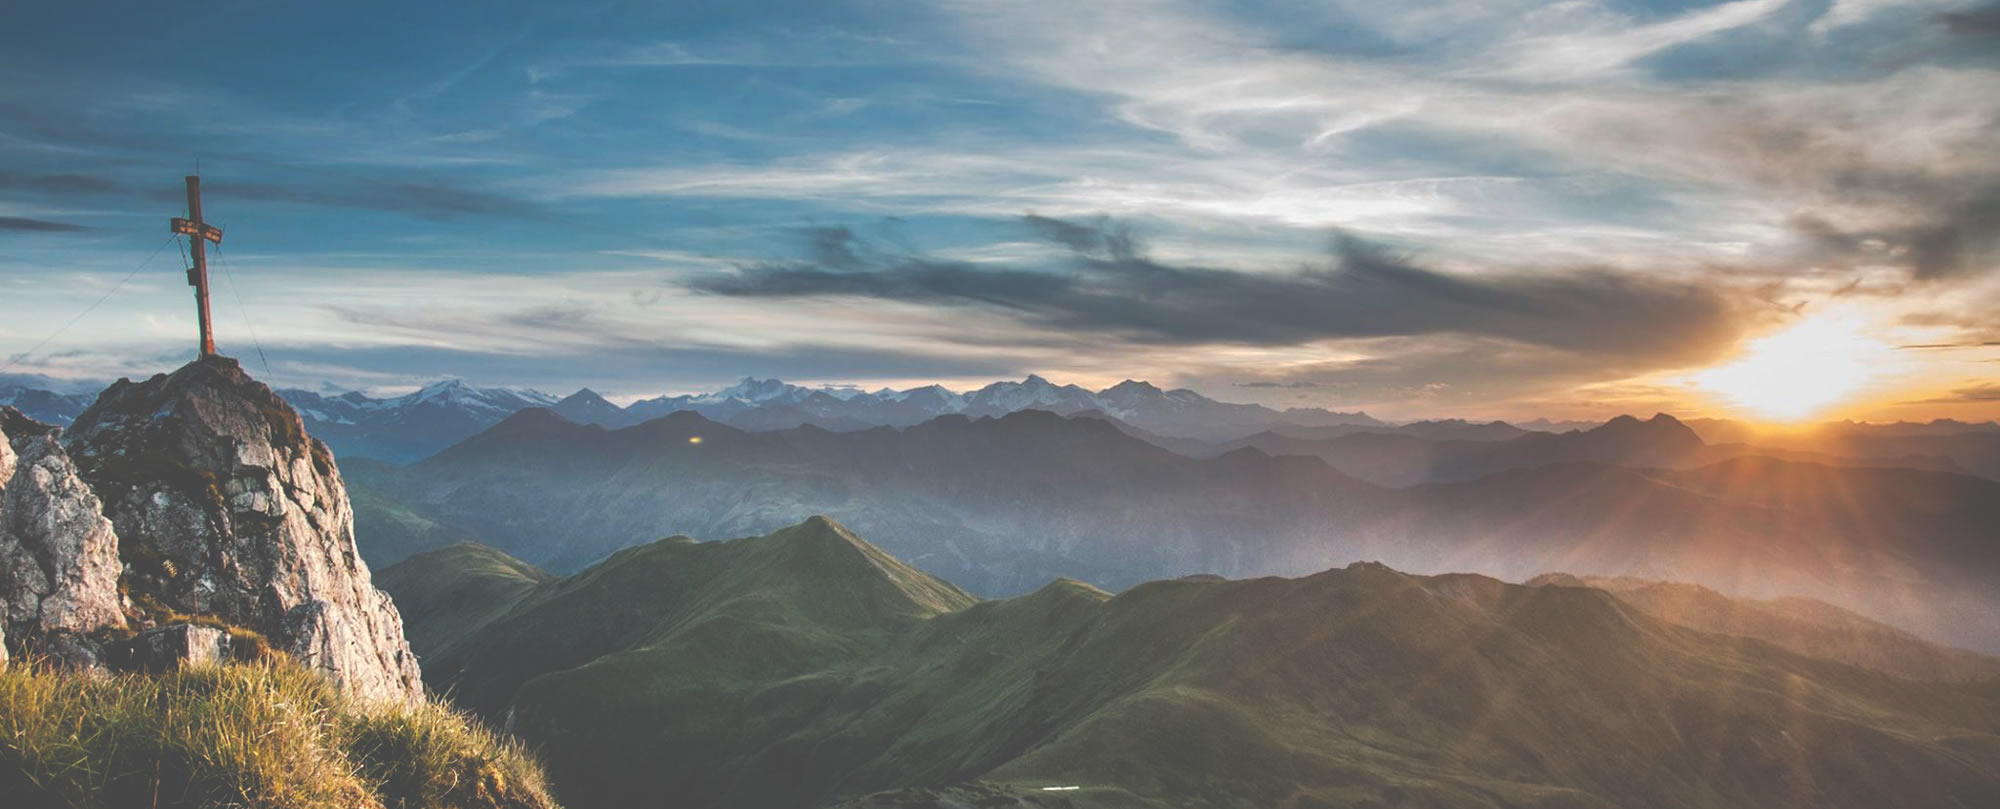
{"x": 224, "y": 508}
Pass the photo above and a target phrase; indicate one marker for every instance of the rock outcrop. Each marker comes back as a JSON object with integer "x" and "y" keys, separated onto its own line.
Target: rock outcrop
{"x": 174, "y": 646}
{"x": 6, "y": 449}
{"x": 224, "y": 507}
{"x": 59, "y": 561}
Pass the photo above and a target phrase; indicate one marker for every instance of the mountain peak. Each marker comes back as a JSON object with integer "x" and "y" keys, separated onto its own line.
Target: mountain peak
{"x": 1131, "y": 386}
{"x": 1659, "y": 424}
{"x": 830, "y": 549}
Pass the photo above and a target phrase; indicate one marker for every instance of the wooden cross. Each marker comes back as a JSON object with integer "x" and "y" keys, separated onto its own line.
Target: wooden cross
{"x": 199, "y": 235}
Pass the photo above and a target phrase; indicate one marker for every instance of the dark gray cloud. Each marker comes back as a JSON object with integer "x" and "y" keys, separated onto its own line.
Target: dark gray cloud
{"x": 56, "y": 183}
{"x": 1101, "y": 236}
{"x": 1109, "y": 286}
{"x": 1976, "y": 21}
{"x": 20, "y": 223}
{"x": 1950, "y": 239}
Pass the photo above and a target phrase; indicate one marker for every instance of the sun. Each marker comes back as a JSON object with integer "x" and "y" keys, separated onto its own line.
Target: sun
{"x": 1801, "y": 371}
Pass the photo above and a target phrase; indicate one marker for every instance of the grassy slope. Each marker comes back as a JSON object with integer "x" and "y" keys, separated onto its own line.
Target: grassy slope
{"x": 1809, "y": 627}
{"x": 446, "y": 594}
{"x": 803, "y": 667}
{"x": 251, "y": 735}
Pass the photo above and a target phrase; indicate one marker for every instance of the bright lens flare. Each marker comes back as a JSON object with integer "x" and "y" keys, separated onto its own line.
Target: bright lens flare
{"x": 1798, "y": 372}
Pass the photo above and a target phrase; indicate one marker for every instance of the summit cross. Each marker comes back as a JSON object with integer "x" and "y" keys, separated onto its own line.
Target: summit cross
{"x": 199, "y": 234}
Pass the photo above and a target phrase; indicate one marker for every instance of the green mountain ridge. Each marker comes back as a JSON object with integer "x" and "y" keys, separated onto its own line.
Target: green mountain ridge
{"x": 806, "y": 668}
{"x": 1809, "y": 627}
{"x": 445, "y": 594}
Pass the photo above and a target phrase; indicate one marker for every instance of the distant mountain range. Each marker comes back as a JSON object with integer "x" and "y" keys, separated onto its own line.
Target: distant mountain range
{"x": 769, "y": 404}
{"x": 410, "y": 426}
{"x": 414, "y": 426}
{"x": 809, "y": 667}
{"x": 43, "y": 405}
{"x": 406, "y": 428}
{"x": 1001, "y": 505}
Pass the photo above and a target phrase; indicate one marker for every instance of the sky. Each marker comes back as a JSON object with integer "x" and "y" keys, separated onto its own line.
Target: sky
{"x": 1423, "y": 208}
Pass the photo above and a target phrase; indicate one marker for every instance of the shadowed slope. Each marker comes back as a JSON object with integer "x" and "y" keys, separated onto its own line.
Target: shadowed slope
{"x": 446, "y": 594}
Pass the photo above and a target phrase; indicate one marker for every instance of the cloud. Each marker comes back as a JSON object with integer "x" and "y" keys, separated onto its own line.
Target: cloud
{"x": 1406, "y": 376}
{"x": 1607, "y": 48}
{"x": 56, "y": 183}
{"x": 1109, "y": 285}
{"x": 632, "y": 369}
{"x": 425, "y": 198}
{"x": 20, "y": 223}
{"x": 1944, "y": 241}
{"x": 1295, "y": 384}
{"x": 1984, "y": 392}
{"x": 1976, "y": 21}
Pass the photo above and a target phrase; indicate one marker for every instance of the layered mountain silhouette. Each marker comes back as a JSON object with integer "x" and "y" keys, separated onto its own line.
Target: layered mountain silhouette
{"x": 408, "y": 427}
{"x": 1407, "y": 456}
{"x": 1000, "y": 505}
{"x": 414, "y": 426}
{"x": 807, "y": 667}
{"x": 1972, "y": 446}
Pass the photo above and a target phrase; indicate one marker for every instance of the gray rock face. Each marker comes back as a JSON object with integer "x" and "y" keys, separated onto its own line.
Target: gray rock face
{"x": 58, "y": 554}
{"x": 227, "y": 508}
{"x": 6, "y": 457}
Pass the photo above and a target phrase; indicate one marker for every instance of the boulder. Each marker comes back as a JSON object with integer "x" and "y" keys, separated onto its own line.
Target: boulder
{"x": 175, "y": 646}
{"x": 59, "y": 561}
{"x": 226, "y": 508}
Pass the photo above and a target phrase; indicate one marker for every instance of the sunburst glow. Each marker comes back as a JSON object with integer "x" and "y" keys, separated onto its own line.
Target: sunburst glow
{"x": 1801, "y": 371}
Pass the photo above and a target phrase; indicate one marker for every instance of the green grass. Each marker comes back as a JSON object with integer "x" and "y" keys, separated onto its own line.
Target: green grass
{"x": 265, "y": 734}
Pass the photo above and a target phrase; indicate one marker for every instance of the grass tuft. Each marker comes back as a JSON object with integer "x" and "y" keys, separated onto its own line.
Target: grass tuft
{"x": 263, "y": 734}
{"x": 433, "y": 756}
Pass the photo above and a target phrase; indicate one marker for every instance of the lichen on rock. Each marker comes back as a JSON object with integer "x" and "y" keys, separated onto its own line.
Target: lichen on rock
{"x": 59, "y": 563}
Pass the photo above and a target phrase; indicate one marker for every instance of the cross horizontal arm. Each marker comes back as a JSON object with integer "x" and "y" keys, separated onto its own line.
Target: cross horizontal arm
{"x": 209, "y": 232}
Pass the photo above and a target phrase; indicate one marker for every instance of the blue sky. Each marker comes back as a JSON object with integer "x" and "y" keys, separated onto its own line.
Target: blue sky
{"x": 1420, "y": 208}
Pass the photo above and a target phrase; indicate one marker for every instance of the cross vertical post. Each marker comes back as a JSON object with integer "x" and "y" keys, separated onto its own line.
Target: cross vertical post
{"x": 199, "y": 235}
